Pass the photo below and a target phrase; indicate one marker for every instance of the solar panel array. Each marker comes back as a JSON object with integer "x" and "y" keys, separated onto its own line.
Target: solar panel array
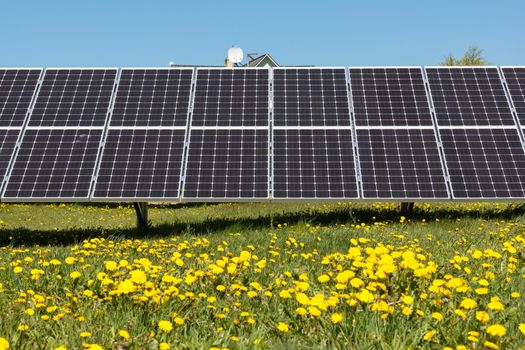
{"x": 17, "y": 87}
{"x": 228, "y": 155}
{"x": 312, "y": 135}
{"x": 398, "y": 150}
{"x": 143, "y": 150}
{"x": 482, "y": 146}
{"x": 218, "y": 134}
{"x": 57, "y": 157}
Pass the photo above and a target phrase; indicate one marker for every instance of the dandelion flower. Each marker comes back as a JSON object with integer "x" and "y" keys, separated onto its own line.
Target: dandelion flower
{"x": 496, "y": 330}
{"x": 336, "y": 317}
{"x": 124, "y": 334}
{"x": 165, "y": 326}
{"x": 283, "y": 327}
{"x": 4, "y": 344}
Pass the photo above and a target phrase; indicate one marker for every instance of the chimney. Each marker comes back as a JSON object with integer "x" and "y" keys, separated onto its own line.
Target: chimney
{"x": 228, "y": 63}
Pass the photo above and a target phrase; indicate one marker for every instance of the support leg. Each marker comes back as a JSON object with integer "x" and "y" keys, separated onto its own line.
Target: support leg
{"x": 141, "y": 209}
{"x": 407, "y": 207}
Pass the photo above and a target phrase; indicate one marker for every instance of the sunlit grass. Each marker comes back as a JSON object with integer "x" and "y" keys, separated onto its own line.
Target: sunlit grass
{"x": 263, "y": 276}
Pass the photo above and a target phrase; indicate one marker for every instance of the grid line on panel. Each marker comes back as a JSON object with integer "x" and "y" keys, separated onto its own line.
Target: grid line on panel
{"x": 73, "y": 97}
{"x": 515, "y": 79}
{"x": 17, "y": 88}
{"x": 141, "y": 163}
{"x": 224, "y": 163}
{"x": 485, "y": 163}
{"x": 314, "y": 164}
{"x": 54, "y": 163}
{"x": 389, "y": 97}
{"x": 310, "y": 97}
{"x": 398, "y": 163}
{"x": 152, "y": 97}
{"x": 469, "y": 96}
{"x": 231, "y": 97}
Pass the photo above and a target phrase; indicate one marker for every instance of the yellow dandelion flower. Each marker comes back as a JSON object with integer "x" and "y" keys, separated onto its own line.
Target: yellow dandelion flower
{"x": 85, "y": 334}
{"x": 164, "y": 346}
{"x": 323, "y": 278}
{"x": 302, "y": 298}
{"x": 482, "y": 316}
{"x": 521, "y": 327}
{"x": 314, "y": 311}
{"x": 496, "y": 330}
{"x": 468, "y": 303}
{"x": 61, "y": 347}
{"x": 138, "y": 276}
{"x": 283, "y": 327}
{"x": 336, "y": 317}
{"x": 179, "y": 321}
{"x": 4, "y": 344}
{"x": 490, "y": 345}
{"x": 429, "y": 335}
{"x": 165, "y": 326}
{"x": 111, "y": 265}
{"x": 23, "y": 327}
{"x": 407, "y": 299}
{"x": 301, "y": 311}
{"x": 75, "y": 274}
{"x": 124, "y": 334}
{"x": 18, "y": 269}
{"x": 437, "y": 316}
{"x": 496, "y": 305}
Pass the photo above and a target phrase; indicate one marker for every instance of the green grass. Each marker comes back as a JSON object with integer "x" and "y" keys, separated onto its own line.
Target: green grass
{"x": 299, "y": 241}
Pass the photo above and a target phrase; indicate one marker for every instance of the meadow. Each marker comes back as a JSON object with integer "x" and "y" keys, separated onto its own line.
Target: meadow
{"x": 263, "y": 276}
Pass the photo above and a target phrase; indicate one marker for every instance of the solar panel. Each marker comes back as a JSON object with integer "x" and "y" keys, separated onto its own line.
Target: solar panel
{"x": 469, "y": 96}
{"x": 389, "y": 97}
{"x": 8, "y": 139}
{"x": 227, "y": 163}
{"x": 515, "y": 78}
{"x": 73, "y": 97}
{"x": 17, "y": 87}
{"x": 54, "y": 163}
{"x": 152, "y": 97}
{"x": 310, "y": 97}
{"x": 141, "y": 163}
{"x": 231, "y": 97}
{"x": 313, "y": 163}
{"x": 400, "y": 163}
{"x": 485, "y": 163}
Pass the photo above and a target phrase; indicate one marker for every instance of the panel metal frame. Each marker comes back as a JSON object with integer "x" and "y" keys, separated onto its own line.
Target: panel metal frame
{"x": 27, "y": 127}
{"x": 191, "y": 128}
{"x": 108, "y": 127}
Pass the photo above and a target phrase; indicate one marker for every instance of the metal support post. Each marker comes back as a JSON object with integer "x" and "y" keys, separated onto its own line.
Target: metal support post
{"x": 141, "y": 209}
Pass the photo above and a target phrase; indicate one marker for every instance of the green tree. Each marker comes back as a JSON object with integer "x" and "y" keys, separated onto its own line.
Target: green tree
{"x": 472, "y": 57}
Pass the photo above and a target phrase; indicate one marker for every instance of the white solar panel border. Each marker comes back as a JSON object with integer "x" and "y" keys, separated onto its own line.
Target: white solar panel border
{"x": 188, "y": 140}
{"x": 27, "y": 127}
{"x": 485, "y": 68}
{"x": 386, "y": 68}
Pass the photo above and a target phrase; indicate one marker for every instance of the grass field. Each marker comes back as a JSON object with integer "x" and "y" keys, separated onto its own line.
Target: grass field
{"x": 276, "y": 276}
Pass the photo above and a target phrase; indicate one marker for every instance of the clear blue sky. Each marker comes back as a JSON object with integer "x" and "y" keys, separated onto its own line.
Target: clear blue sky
{"x": 151, "y": 33}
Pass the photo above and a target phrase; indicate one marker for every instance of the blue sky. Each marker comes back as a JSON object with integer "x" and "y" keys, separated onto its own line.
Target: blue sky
{"x": 324, "y": 33}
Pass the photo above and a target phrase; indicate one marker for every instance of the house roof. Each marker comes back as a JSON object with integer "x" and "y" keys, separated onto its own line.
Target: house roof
{"x": 259, "y": 61}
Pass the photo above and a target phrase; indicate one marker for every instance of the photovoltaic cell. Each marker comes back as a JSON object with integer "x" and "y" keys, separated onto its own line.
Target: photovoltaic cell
{"x": 231, "y": 97}
{"x": 227, "y": 163}
{"x": 17, "y": 87}
{"x": 400, "y": 163}
{"x": 152, "y": 97}
{"x": 469, "y": 96}
{"x": 485, "y": 163}
{"x": 141, "y": 163}
{"x": 310, "y": 97}
{"x": 73, "y": 97}
{"x": 515, "y": 78}
{"x": 8, "y": 140}
{"x": 313, "y": 163}
{"x": 389, "y": 97}
{"x": 54, "y": 163}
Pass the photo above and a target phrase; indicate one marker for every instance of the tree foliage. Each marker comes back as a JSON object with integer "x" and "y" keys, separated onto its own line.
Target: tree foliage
{"x": 472, "y": 57}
